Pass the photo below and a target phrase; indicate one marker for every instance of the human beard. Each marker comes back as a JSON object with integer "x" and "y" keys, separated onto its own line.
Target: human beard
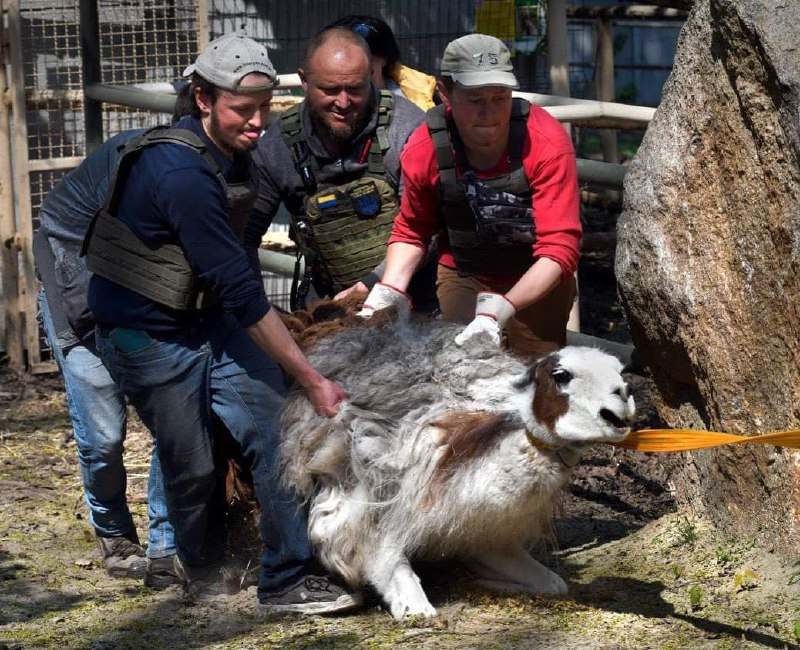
{"x": 342, "y": 135}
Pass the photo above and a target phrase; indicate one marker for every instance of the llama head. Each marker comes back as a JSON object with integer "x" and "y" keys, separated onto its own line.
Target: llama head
{"x": 576, "y": 395}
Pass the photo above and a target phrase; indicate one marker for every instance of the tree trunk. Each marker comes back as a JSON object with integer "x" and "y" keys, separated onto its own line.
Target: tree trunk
{"x": 708, "y": 258}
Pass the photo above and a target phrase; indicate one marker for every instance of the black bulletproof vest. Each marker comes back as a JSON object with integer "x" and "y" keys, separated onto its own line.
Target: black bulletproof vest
{"x": 489, "y": 222}
{"x": 160, "y": 273}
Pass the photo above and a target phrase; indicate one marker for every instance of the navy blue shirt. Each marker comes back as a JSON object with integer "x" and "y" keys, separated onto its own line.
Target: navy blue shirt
{"x": 171, "y": 195}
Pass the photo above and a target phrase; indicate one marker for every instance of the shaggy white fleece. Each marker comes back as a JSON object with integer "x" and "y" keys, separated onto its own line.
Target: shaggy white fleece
{"x": 442, "y": 452}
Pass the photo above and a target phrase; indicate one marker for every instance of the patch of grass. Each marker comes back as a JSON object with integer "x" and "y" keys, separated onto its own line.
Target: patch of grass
{"x": 724, "y": 555}
{"x": 695, "y": 597}
{"x": 745, "y": 580}
{"x": 687, "y": 532}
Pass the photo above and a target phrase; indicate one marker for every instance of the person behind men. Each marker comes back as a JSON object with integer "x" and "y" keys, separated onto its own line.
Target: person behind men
{"x": 387, "y": 71}
{"x": 187, "y": 332}
{"x": 333, "y": 161}
{"x": 498, "y": 176}
{"x": 96, "y": 405}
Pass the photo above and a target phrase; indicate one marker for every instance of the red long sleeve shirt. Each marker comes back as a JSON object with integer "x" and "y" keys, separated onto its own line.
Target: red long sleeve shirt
{"x": 548, "y": 160}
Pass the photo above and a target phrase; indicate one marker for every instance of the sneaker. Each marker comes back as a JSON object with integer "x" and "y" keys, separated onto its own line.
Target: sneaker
{"x": 312, "y": 594}
{"x": 161, "y": 572}
{"x": 123, "y": 557}
{"x": 206, "y": 581}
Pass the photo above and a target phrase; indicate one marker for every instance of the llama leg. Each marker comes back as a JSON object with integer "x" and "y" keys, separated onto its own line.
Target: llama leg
{"x": 516, "y": 571}
{"x": 391, "y": 574}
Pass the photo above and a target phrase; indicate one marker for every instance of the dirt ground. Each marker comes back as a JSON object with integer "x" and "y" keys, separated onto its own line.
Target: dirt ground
{"x": 641, "y": 574}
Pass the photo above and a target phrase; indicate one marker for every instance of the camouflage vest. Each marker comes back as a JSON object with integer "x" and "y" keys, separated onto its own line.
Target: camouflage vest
{"x": 343, "y": 227}
{"x": 489, "y": 222}
{"x": 161, "y": 273}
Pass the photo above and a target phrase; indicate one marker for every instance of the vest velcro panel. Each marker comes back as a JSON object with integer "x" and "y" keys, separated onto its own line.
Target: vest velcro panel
{"x": 159, "y": 272}
{"x": 475, "y": 252}
{"x": 344, "y": 226}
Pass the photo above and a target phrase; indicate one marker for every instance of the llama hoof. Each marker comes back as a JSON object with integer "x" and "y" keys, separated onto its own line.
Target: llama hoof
{"x": 407, "y": 610}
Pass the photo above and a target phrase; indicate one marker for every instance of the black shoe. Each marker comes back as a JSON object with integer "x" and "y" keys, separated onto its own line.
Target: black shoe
{"x": 311, "y": 594}
{"x": 161, "y": 573}
{"x": 123, "y": 557}
{"x": 206, "y": 581}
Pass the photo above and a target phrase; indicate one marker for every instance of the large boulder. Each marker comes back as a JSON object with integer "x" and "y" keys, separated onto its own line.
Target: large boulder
{"x": 708, "y": 256}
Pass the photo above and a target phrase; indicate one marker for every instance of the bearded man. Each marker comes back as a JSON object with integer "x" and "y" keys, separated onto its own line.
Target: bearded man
{"x": 333, "y": 161}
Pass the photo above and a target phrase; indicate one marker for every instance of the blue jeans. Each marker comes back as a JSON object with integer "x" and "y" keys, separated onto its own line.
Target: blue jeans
{"x": 97, "y": 411}
{"x": 177, "y": 385}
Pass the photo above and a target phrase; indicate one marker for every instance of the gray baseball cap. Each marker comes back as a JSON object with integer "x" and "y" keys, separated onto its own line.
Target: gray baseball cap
{"x": 478, "y": 60}
{"x": 226, "y": 60}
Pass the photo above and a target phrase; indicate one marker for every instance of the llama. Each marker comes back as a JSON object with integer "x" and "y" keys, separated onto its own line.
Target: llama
{"x": 441, "y": 453}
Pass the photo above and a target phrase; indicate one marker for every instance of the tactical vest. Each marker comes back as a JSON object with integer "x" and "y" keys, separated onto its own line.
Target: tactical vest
{"x": 159, "y": 272}
{"x": 489, "y": 221}
{"x": 343, "y": 227}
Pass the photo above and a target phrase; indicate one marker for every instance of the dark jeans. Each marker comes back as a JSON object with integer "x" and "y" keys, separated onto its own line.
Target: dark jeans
{"x": 176, "y": 385}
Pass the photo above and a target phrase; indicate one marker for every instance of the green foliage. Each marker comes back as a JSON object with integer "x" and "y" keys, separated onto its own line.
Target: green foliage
{"x": 724, "y": 555}
{"x": 796, "y": 630}
{"x": 687, "y": 532}
{"x": 695, "y": 597}
{"x": 745, "y": 580}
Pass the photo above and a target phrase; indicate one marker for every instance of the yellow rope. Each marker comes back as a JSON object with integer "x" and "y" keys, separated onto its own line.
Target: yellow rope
{"x": 666, "y": 440}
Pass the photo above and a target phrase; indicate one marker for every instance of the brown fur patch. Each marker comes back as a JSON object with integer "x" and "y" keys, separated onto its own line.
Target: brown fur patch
{"x": 466, "y": 435}
{"x": 328, "y": 317}
{"x": 548, "y": 403}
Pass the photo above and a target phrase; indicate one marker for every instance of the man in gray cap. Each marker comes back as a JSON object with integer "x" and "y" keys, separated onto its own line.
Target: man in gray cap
{"x": 186, "y": 331}
{"x": 498, "y": 177}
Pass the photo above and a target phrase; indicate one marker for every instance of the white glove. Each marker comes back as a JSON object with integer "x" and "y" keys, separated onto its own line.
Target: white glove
{"x": 492, "y": 311}
{"x": 383, "y": 296}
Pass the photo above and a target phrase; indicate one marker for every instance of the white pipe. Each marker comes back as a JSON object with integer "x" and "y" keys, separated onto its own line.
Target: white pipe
{"x": 567, "y": 108}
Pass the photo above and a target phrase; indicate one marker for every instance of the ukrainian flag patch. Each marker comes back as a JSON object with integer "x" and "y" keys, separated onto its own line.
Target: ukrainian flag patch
{"x": 326, "y": 201}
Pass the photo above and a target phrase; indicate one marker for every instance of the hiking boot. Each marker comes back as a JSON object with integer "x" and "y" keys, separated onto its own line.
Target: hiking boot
{"x": 123, "y": 557}
{"x": 208, "y": 581}
{"x": 161, "y": 572}
{"x": 311, "y": 594}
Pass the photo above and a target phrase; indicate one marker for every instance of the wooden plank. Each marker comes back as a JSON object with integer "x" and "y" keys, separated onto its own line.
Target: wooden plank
{"x": 558, "y": 55}
{"x": 44, "y": 368}
{"x": 203, "y": 26}
{"x": 604, "y": 79}
{"x": 28, "y": 285}
{"x": 54, "y": 164}
{"x": 9, "y": 258}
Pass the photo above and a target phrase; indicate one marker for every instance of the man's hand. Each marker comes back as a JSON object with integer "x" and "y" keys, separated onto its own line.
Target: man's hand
{"x": 383, "y": 296}
{"x": 358, "y": 289}
{"x": 492, "y": 311}
{"x": 325, "y": 395}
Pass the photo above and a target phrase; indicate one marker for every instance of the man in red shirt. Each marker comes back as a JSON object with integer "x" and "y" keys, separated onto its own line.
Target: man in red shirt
{"x": 496, "y": 177}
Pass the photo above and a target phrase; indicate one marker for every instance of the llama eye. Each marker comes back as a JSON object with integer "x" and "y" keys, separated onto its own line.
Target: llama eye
{"x": 561, "y": 376}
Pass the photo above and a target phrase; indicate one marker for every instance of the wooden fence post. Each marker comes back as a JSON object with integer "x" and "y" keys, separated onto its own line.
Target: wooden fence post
{"x": 28, "y": 285}
{"x": 558, "y": 56}
{"x": 12, "y": 329}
